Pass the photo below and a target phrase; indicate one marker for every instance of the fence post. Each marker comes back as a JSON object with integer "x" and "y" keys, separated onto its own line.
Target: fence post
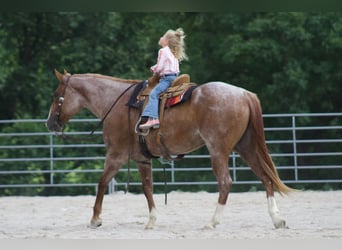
{"x": 172, "y": 171}
{"x": 51, "y": 159}
{"x": 111, "y": 186}
{"x": 294, "y": 138}
{"x": 234, "y": 165}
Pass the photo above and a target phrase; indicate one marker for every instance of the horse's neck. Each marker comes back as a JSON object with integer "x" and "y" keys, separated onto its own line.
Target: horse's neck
{"x": 98, "y": 94}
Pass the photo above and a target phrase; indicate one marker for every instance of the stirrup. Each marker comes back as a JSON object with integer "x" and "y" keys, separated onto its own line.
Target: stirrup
{"x": 139, "y": 131}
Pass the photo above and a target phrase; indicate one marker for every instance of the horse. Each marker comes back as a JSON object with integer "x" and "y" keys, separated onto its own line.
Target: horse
{"x": 219, "y": 116}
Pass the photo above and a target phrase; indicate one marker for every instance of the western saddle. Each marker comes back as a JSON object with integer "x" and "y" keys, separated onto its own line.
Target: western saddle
{"x": 178, "y": 87}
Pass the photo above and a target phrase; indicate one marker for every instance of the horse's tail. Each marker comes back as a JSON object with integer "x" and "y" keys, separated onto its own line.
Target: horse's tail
{"x": 256, "y": 125}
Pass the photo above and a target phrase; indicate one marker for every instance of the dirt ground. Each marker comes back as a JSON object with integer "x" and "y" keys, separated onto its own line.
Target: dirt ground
{"x": 309, "y": 215}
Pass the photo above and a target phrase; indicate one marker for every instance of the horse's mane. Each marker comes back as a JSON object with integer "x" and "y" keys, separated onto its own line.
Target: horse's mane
{"x": 131, "y": 81}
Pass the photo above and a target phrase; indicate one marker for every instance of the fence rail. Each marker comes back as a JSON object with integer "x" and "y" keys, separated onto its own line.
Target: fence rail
{"x": 306, "y": 148}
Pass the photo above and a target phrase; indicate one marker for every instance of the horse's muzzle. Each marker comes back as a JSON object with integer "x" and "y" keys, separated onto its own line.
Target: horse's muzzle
{"x": 54, "y": 125}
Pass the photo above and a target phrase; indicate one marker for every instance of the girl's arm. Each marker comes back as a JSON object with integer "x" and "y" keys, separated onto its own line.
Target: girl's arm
{"x": 157, "y": 68}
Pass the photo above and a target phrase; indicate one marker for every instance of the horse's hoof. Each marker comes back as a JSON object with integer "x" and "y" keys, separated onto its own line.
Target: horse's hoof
{"x": 149, "y": 227}
{"x": 280, "y": 224}
{"x": 150, "y": 224}
{"x": 209, "y": 226}
{"x": 95, "y": 223}
{"x": 152, "y": 219}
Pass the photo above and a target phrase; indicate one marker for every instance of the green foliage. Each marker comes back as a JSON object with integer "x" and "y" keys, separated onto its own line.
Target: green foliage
{"x": 280, "y": 56}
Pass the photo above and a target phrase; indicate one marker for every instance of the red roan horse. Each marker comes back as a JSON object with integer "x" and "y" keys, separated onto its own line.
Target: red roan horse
{"x": 218, "y": 115}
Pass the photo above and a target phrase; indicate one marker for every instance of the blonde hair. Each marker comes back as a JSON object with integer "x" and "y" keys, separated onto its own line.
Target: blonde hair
{"x": 176, "y": 43}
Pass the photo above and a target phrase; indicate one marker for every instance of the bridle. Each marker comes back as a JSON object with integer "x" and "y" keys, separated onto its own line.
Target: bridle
{"x": 60, "y": 103}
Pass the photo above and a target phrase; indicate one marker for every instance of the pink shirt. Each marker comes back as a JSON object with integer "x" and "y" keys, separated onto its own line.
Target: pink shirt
{"x": 167, "y": 63}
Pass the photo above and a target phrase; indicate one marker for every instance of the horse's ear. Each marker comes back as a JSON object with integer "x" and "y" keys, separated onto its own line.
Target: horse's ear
{"x": 58, "y": 75}
{"x": 65, "y": 72}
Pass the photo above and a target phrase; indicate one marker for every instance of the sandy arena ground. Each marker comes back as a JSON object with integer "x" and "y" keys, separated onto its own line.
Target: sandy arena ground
{"x": 309, "y": 215}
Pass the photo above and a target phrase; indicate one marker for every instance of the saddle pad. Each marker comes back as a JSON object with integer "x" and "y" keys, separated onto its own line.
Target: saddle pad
{"x": 170, "y": 102}
{"x": 133, "y": 102}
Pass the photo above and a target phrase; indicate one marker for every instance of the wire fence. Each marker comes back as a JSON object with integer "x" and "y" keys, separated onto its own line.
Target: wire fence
{"x": 306, "y": 148}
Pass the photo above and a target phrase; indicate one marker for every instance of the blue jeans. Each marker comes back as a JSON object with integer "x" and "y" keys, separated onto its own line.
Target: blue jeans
{"x": 151, "y": 109}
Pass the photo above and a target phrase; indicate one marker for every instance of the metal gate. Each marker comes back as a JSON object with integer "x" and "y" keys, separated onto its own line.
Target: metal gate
{"x": 306, "y": 148}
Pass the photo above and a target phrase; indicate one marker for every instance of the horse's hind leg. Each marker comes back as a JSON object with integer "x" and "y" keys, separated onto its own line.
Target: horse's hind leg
{"x": 248, "y": 152}
{"x": 221, "y": 171}
{"x": 145, "y": 171}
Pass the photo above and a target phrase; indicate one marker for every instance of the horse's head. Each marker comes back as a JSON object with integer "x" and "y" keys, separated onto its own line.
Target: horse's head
{"x": 64, "y": 104}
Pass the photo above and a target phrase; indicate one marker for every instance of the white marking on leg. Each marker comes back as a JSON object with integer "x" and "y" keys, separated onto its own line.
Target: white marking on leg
{"x": 273, "y": 210}
{"x": 95, "y": 223}
{"x": 152, "y": 219}
{"x": 216, "y": 217}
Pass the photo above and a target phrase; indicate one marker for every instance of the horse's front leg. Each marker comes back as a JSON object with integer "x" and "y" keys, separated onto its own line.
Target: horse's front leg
{"x": 145, "y": 170}
{"x": 111, "y": 168}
